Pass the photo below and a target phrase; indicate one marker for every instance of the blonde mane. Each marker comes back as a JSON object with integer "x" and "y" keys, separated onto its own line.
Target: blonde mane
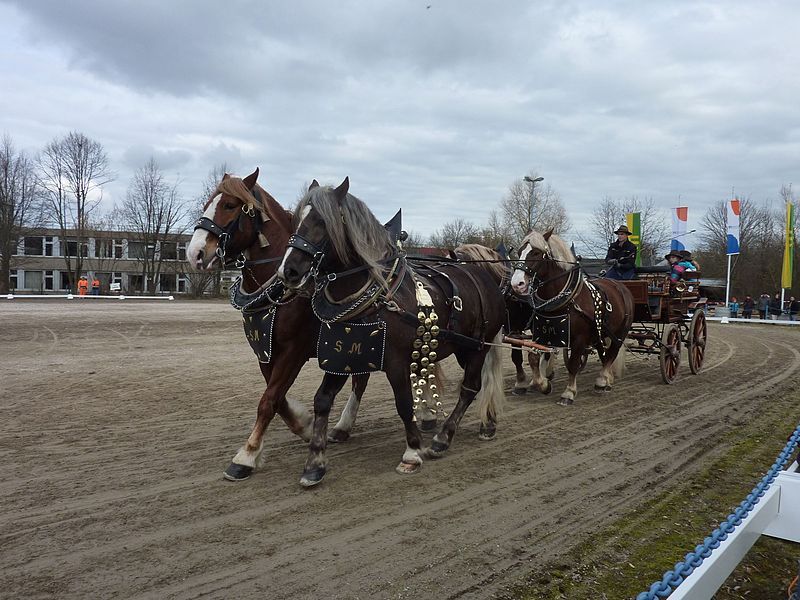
{"x": 557, "y": 247}
{"x": 501, "y": 271}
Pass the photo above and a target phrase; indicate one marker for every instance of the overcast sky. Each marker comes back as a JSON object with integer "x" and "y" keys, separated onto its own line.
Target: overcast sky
{"x": 429, "y": 105}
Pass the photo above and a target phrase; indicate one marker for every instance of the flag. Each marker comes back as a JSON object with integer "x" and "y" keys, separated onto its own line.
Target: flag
{"x": 788, "y": 248}
{"x": 733, "y": 226}
{"x": 634, "y": 222}
{"x": 680, "y": 216}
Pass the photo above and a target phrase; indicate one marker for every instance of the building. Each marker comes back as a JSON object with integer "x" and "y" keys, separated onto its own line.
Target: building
{"x": 114, "y": 257}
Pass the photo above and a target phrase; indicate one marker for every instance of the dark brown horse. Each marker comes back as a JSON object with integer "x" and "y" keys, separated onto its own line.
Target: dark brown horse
{"x": 342, "y": 253}
{"x": 241, "y": 222}
{"x": 599, "y": 311}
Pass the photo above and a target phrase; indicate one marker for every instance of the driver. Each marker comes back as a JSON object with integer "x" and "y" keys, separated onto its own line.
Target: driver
{"x": 621, "y": 256}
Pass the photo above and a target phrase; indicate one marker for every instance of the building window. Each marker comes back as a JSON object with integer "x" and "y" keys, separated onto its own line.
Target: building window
{"x": 103, "y": 248}
{"x": 13, "y": 279}
{"x": 34, "y": 246}
{"x": 49, "y": 243}
{"x": 183, "y": 282}
{"x": 116, "y": 277}
{"x": 169, "y": 250}
{"x": 181, "y": 250}
{"x": 118, "y": 248}
{"x": 166, "y": 282}
{"x": 33, "y": 280}
{"x": 137, "y": 250}
{"x": 48, "y": 280}
{"x": 72, "y": 248}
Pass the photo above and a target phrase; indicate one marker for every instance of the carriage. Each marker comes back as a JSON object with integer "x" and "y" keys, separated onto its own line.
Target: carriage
{"x": 667, "y": 316}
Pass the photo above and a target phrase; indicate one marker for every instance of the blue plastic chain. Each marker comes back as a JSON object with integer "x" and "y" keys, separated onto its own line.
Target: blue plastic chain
{"x": 672, "y": 579}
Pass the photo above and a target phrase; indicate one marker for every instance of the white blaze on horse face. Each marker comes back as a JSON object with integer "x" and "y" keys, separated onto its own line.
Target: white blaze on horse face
{"x": 519, "y": 280}
{"x": 303, "y": 215}
{"x": 201, "y": 238}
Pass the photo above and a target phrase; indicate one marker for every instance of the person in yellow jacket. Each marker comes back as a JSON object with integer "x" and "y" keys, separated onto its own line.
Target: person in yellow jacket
{"x": 83, "y": 286}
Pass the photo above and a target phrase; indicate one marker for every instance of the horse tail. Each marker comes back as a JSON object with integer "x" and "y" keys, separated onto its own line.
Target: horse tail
{"x": 492, "y": 396}
{"x": 618, "y": 366}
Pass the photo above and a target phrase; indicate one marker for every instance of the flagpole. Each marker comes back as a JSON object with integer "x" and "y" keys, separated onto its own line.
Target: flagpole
{"x": 728, "y": 284}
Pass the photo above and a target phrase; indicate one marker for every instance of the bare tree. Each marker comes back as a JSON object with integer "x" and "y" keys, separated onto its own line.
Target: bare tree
{"x": 72, "y": 171}
{"x": 454, "y": 233}
{"x": 530, "y": 206}
{"x": 19, "y": 203}
{"x": 153, "y": 214}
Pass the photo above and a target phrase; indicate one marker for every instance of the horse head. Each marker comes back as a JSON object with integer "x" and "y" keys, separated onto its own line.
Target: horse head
{"x": 239, "y": 215}
{"x": 334, "y": 230}
{"x": 539, "y": 254}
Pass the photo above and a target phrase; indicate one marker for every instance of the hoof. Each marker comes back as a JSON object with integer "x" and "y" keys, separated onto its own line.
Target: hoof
{"x": 429, "y": 425}
{"x": 408, "y": 468}
{"x": 566, "y": 401}
{"x": 312, "y": 477}
{"x": 548, "y": 388}
{"x": 236, "y": 472}
{"x": 602, "y": 389}
{"x": 487, "y": 432}
{"x": 519, "y": 391}
{"x": 437, "y": 449}
{"x": 337, "y": 436}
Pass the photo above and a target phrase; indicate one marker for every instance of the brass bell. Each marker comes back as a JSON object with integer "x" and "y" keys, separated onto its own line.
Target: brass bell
{"x": 413, "y": 377}
{"x": 434, "y": 316}
{"x": 419, "y": 392}
{"x": 431, "y": 376}
{"x": 436, "y": 397}
{"x": 435, "y": 330}
{"x": 420, "y": 330}
{"x": 421, "y": 316}
{"x": 432, "y": 356}
{"x": 414, "y": 366}
{"x": 424, "y": 362}
{"x": 423, "y": 372}
{"x": 438, "y": 405}
{"x": 433, "y": 343}
{"x": 422, "y": 382}
{"x": 425, "y": 349}
{"x": 428, "y": 322}
{"x": 417, "y": 343}
{"x": 432, "y": 386}
{"x": 414, "y": 355}
{"x": 427, "y": 336}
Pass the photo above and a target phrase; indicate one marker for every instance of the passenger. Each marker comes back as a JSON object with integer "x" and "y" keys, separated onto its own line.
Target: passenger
{"x": 621, "y": 256}
{"x": 674, "y": 260}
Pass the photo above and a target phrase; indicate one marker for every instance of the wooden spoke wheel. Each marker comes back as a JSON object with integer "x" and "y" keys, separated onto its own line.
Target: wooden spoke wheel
{"x": 670, "y": 358}
{"x": 698, "y": 335}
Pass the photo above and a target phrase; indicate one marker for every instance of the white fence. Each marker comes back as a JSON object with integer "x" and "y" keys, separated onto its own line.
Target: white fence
{"x": 86, "y": 297}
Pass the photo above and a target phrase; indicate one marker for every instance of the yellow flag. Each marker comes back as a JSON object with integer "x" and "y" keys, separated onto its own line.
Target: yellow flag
{"x": 788, "y": 248}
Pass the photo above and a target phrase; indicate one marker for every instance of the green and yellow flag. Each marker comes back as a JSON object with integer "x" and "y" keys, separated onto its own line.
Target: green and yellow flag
{"x": 634, "y": 222}
{"x": 788, "y": 248}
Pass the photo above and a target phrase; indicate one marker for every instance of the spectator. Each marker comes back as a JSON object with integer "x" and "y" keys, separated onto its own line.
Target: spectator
{"x": 747, "y": 307}
{"x": 83, "y": 285}
{"x": 794, "y": 308}
{"x": 621, "y": 256}
{"x": 95, "y": 286}
{"x": 763, "y": 305}
{"x": 776, "y": 307}
{"x": 733, "y": 306}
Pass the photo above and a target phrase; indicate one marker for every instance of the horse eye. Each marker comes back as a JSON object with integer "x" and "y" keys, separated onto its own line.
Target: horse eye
{"x": 229, "y": 206}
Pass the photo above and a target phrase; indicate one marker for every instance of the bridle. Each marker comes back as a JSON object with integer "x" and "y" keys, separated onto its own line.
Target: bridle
{"x": 567, "y": 293}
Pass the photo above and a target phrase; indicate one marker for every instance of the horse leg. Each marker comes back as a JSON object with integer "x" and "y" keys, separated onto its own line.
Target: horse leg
{"x": 426, "y": 409}
{"x": 273, "y": 400}
{"x": 404, "y": 403}
{"x": 610, "y": 363}
{"x": 316, "y": 464}
{"x": 520, "y": 386}
{"x": 574, "y": 363}
{"x": 470, "y": 386}
{"x": 341, "y": 431}
{"x": 538, "y": 364}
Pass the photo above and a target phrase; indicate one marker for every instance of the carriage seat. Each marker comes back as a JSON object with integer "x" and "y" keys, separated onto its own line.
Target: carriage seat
{"x": 653, "y": 269}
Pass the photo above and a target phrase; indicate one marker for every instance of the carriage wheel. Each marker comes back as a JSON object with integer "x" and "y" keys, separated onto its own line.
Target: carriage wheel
{"x": 670, "y": 357}
{"x": 698, "y": 334}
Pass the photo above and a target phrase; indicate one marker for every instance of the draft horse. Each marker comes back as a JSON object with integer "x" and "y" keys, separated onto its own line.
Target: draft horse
{"x": 245, "y": 226}
{"x": 599, "y": 311}
{"x": 356, "y": 275}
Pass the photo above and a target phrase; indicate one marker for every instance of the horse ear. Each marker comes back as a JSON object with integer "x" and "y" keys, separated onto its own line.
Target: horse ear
{"x": 341, "y": 191}
{"x": 547, "y": 234}
{"x": 314, "y": 184}
{"x": 250, "y": 180}
{"x": 226, "y": 176}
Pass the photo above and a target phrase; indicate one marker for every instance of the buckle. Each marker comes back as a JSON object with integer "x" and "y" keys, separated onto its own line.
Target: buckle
{"x": 457, "y": 303}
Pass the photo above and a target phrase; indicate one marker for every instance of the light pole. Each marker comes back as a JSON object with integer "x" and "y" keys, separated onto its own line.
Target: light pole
{"x": 530, "y": 203}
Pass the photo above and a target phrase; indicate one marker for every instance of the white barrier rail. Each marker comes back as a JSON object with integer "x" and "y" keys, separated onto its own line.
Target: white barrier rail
{"x": 752, "y": 321}
{"x": 777, "y": 515}
{"x": 86, "y": 297}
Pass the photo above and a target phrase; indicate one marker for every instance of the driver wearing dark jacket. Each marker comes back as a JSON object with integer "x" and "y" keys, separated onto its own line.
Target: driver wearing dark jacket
{"x": 621, "y": 256}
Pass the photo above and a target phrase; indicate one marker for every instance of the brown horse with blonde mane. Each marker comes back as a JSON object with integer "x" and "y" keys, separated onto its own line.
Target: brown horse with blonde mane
{"x": 244, "y": 225}
{"x": 599, "y": 312}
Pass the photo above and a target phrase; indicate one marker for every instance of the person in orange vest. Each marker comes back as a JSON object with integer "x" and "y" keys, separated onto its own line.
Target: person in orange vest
{"x": 83, "y": 286}
{"x": 95, "y": 286}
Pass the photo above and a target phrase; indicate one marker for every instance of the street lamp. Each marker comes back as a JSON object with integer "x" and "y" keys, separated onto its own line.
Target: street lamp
{"x": 532, "y": 181}
{"x": 531, "y": 198}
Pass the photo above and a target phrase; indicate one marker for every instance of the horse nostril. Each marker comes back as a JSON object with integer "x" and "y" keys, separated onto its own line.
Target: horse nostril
{"x": 290, "y": 274}
{"x": 200, "y": 254}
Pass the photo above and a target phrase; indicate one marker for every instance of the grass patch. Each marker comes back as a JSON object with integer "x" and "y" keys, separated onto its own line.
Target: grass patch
{"x": 626, "y": 557}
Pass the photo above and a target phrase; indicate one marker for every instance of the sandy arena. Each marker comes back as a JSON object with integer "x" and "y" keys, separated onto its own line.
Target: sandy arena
{"x": 118, "y": 419}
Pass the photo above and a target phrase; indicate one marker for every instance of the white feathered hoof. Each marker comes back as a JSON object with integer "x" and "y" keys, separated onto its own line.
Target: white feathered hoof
{"x": 408, "y": 467}
{"x": 338, "y": 436}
